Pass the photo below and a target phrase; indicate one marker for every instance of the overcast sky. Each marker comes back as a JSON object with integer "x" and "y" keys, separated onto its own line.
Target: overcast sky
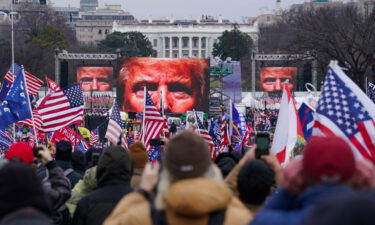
{"x": 187, "y": 9}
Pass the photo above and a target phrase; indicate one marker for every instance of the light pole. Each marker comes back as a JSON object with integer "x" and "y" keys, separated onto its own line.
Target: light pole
{"x": 57, "y": 66}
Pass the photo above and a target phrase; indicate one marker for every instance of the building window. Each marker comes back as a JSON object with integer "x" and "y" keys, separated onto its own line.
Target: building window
{"x": 175, "y": 42}
{"x": 195, "y": 42}
{"x": 203, "y": 42}
{"x": 185, "y": 42}
{"x": 106, "y": 31}
{"x": 100, "y": 31}
{"x": 166, "y": 42}
{"x": 155, "y": 44}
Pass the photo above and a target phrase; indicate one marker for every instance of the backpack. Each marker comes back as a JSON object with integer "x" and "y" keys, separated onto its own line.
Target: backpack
{"x": 159, "y": 218}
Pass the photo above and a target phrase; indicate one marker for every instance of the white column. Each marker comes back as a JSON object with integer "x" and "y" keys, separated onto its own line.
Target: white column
{"x": 170, "y": 47}
{"x": 163, "y": 47}
{"x": 190, "y": 47}
{"x": 199, "y": 47}
{"x": 179, "y": 47}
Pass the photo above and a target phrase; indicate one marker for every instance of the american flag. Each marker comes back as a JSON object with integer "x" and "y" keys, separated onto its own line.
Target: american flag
{"x": 94, "y": 137}
{"x": 33, "y": 83}
{"x": 153, "y": 122}
{"x": 345, "y": 111}
{"x": 38, "y": 122}
{"x": 202, "y": 131}
{"x": 224, "y": 134}
{"x": 5, "y": 140}
{"x": 115, "y": 127}
{"x": 32, "y": 140}
{"x": 62, "y": 108}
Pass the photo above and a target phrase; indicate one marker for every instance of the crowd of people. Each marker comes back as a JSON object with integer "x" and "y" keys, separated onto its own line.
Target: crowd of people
{"x": 327, "y": 185}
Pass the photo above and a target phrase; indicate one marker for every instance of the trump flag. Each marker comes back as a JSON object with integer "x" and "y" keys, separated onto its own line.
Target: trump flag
{"x": 346, "y": 111}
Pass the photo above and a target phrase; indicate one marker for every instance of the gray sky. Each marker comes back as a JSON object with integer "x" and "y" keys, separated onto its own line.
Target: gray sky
{"x": 186, "y": 9}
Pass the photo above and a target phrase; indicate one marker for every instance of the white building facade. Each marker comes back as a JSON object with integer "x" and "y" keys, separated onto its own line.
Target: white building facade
{"x": 185, "y": 38}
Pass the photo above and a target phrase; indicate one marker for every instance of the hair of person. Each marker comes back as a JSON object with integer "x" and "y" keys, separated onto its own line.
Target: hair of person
{"x": 254, "y": 182}
{"x": 196, "y": 68}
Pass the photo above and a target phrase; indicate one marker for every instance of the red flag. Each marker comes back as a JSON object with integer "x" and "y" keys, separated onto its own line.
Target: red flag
{"x": 52, "y": 85}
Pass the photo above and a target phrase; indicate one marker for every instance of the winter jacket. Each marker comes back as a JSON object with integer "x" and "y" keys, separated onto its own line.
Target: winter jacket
{"x": 189, "y": 201}
{"x": 113, "y": 174}
{"x": 286, "y": 209}
{"x": 73, "y": 177}
{"x": 26, "y": 217}
{"x": 57, "y": 188}
{"x": 85, "y": 186}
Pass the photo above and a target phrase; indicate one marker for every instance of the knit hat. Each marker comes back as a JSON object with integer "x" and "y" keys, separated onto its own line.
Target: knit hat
{"x": 328, "y": 159}
{"x": 187, "y": 156}
{"x": 63, "y": 151}
{"x": 138, "y": 154}
{"x": 19, "y": 188}
{"x": 20, "y": 150}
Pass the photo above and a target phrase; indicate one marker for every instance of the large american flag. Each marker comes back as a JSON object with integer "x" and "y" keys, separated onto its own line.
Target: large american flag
{"x": 33, "y": 83}
{"x": 153, "y": 122}
{"x": 62, "y": 108}
{"x": 345, "y": 111}
{"x": 94, "y": 137}
{"x": 115, "y": 127}
{"x": 202, "y": 131}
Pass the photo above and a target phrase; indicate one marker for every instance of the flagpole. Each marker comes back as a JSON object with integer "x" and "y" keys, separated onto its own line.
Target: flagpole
{"x": 144, "y": 111}
{"x": 162, "y": 103}
{"x": 196, "y": 121}
{"x": 29, "y": 103}
{"x": 12, "y": 31}
{"x": 230, "y": 118}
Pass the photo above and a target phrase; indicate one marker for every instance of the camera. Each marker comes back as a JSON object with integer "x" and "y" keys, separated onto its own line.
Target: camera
{"x": 36, "y": 151}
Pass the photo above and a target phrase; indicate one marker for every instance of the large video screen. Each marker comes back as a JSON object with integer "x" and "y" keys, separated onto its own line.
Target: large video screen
{"x": 95, "y": 78}
{"x": 272, "y": 78}
{"x": 181, "y": 84}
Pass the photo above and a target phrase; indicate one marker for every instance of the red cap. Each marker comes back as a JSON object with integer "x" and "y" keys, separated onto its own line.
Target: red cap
{"x": 328, "y": 158}
{"x": 20, "y": 150}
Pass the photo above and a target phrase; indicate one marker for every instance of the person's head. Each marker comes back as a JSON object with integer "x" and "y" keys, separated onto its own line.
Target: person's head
{"x": 63, "y": 151}
{"x": 114, "y": 166}
{"x": 226, "y": 162}
{"x": 95, "y": 78}
{"x": 182, "y": 82}
{"x": 186, "y": 156}
{"x": 21, "y": 152}
{"x": 255, "y": 181}
{"x": 20, "y": 188}
{"x": 272, "y": 78}
{"x": 138, "y": 154}
{"x": 327, "y": 159}
{"x": 92, "y": 156}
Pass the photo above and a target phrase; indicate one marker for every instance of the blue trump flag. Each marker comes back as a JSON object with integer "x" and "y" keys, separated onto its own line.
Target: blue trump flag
{"x": 306, "y": 117}
{"x": 8, "y": 80}
{"x": 236, "y": 118}
{"x": 16, "y": 106}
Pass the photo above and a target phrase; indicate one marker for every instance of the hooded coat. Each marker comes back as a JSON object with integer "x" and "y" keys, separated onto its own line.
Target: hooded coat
{"x": 113, "y": 175}
{"x": 189, "y": 201}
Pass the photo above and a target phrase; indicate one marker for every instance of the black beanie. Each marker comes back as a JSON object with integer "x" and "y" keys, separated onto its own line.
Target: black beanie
{"x": 19, "y": 188}
{"x": 63, "y": 151}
